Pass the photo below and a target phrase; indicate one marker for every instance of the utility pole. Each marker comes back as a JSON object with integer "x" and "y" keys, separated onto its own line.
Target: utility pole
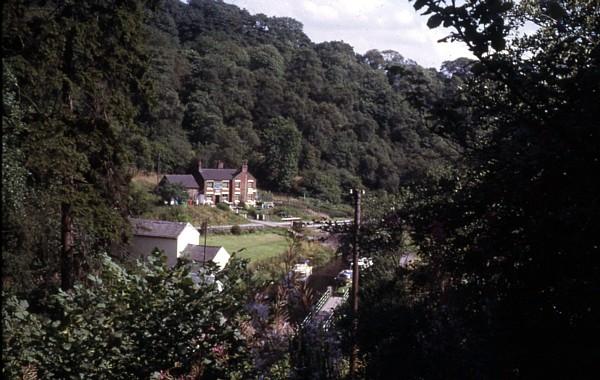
{"x": 205, "y": 231}
{"x": 354, "y": 353}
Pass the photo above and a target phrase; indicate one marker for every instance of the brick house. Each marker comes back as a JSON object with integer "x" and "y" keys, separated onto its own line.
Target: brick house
{"x": 222, "y": 185}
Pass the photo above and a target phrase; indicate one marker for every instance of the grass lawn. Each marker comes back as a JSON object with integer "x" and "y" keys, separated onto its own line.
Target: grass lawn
{"x": 259, "y": 245}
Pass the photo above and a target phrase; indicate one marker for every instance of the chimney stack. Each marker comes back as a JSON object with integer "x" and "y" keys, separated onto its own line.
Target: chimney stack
{"x": 244, "y": 166}
{"x": 219, "y": 164}
{"x": 199, "y": 165}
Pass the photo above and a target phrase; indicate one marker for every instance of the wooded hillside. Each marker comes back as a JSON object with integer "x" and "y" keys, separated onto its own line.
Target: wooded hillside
{"x": 309, "y": 117}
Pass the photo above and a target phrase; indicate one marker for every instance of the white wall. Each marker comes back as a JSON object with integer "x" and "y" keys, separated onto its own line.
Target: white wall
{"x": 142, "y": 246}
{"x": 189, "y": 235}
{"x": 221, "y": 258}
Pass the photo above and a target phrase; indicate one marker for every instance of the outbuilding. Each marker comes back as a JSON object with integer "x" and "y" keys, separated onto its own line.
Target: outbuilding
{"x": 170, "y": 237}
{"x": 201, "y": 254}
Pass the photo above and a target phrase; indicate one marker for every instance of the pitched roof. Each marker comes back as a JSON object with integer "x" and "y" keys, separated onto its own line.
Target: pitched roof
{"x": 156, "y": 228}
{"x": 218, "y": 174}
{"x": 185, "y": 180}
{"x": 196, "y": 252}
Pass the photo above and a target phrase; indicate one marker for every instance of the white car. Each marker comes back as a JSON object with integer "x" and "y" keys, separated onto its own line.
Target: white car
{"x": 344, "y": 276}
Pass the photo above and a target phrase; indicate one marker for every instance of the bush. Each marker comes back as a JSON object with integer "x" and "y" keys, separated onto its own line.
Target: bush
{"x": 236, "y": 229}
{"x": 223, "y": 206}
{"x": 140, "y": 199}
{"x": 251, "y": 212}
{"x": 126, "y": 325}
{"x": 265, "y": 196}
{"x": 168, "y": 191}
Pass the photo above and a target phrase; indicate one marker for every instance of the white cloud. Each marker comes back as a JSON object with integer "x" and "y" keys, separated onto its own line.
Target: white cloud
{"x": 365, "y": 24}
{"x": 320, "y": 12}
{"x": 404, "y": 17}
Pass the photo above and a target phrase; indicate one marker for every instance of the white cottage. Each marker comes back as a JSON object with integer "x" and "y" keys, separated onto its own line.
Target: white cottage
{"x": 171, "y": 237}
{"x": 199, "y": 255}
{"x": 176, "y": 240}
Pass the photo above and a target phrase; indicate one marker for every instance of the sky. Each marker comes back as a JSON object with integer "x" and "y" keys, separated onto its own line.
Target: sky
{"x": 365, "y": 24}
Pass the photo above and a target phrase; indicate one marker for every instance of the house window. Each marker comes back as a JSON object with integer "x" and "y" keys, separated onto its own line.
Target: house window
{"x": 237, "y": 197}
{"x": 225, "y": 184}
{"x": 238, "y": 184}
{"x": 250, "y": 184}
{"x": 209, "y": 184}
{"x": 209, "y": 198}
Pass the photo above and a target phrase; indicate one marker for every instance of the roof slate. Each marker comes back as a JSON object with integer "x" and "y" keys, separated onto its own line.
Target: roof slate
{"x": 196, "y": 252}
{"x": 186, "y": 180}
{"x": 156, "y": 228}
{"x": 218, "y": 174}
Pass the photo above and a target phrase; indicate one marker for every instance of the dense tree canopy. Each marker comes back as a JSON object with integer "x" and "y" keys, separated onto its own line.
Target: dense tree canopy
{"x": 507, "y": 279}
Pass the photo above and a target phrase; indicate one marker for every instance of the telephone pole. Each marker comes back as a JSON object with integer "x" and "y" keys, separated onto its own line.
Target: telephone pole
{"x": 354, "y": 350}
{"x": 205, "y": 232}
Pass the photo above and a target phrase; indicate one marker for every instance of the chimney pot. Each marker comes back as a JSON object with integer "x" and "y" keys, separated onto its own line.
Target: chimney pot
{"x": 244, "y": 166}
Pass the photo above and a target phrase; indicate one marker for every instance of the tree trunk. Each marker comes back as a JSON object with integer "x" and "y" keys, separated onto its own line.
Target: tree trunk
{"x": 66, "y": 257}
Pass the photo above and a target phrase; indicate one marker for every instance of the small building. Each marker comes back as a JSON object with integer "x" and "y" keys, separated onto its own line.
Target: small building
{"x": 199, "y": 255}
{"x": 186, "y": 181}
{"x": 222, "y": 185}
{"x": 170, "y": 237}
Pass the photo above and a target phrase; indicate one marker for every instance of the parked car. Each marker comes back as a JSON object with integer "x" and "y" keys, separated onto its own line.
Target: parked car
{"x": 301, "y": 271}
{"x": 363, "y": 262}
{"x": 344, "y": 277}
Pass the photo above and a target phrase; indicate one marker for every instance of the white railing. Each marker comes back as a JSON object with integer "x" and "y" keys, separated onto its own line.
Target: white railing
{"x": 327, "y": 322}
{"x": 315, "y": 309}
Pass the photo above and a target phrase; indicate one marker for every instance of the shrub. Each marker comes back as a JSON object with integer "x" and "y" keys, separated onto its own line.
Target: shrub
{"x": 236, "y": 229}
{"x": 251, "y": 212}
{"x": 223, "y": 206}
{"x": 168, "y": 191}
{"x": 140, "y": 199}
{"x": 125, "y": 325}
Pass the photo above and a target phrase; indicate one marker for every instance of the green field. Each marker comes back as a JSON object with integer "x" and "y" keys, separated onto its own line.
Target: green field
{"x": 258, "y": 246}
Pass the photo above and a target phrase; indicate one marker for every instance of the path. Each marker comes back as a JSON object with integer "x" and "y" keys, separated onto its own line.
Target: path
{"x": 322, "y": 314}
{"x": 328, "y": 308}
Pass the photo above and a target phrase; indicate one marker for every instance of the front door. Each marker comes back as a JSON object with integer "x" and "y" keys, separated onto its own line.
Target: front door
{"x": 217, "y": 199}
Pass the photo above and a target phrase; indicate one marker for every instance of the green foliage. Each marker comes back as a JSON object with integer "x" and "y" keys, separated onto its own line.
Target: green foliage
{"x": 505, "y": 243}
{"x": 252, "y": 82}
{"x": 322, "y": 185}
{"x": 236, "y": 229}
{"x": 128, "y": 324}
{"x": 172, "y": 191}
{"x": 78, "y": 67}
{"x": 223, "y": 206}
{"x": 15, "y": 193}
{"x": 141, "y": 199}
{"x": 195, "y": 215}
{"x": 281, "y": 144}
